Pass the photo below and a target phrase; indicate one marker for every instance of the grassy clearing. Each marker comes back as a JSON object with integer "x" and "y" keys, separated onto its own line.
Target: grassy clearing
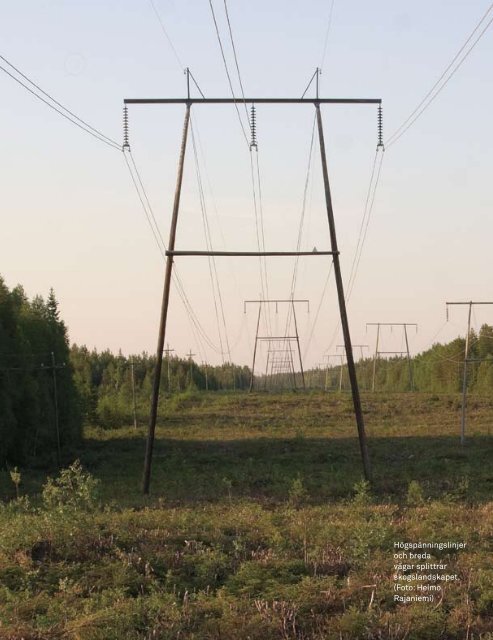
{"x": 254, "y": 529}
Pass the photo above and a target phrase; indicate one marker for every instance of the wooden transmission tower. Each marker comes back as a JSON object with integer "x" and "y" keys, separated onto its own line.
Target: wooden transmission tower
{"x": 173, "y": 253}
{"x": 286, "y": 339}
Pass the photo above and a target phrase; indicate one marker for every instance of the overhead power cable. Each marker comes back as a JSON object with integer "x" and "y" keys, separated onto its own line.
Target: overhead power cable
{"x": 211, "y": 259}
{"x": 315, "y": 320}
{"x": 260, "y": 242}
{"x": 300, "y": 228}
{"x": 166, "y": 35}
{"x": 254, "y": 162}
{"x": 144, "y": 200}
{"x": 154, "y": 229}
{"x": 218, "y": 35}
{"x": 303, "y": 211}
{"x": 365, "y": 220}
{"x": 327, "y": 33}
{"x": 49, "y": 101}
{"x": 444, "y": 78}
{"x": 236, "y": 59}
{"x": 172, "y": 46}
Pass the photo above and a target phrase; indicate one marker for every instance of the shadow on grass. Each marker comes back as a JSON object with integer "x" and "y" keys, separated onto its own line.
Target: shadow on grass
{"x": 189, "y": 471}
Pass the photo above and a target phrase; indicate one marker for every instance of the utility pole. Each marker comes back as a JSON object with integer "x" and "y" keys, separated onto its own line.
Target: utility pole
{"x": 409, "y": 364}
{"x": 167, "y": 351}
{"x": 55, "y": 400}
{"x": 342, "y": 302}
{"x": 255, "y": 346}
{"x": 404, "y": 325}
{"x": 54, "y": 366}
{"x": 171, "y": 253}
{"x": 133, "y": 391}
{"x": 470, "y": 304}
{"x": 375, "y": 359}
{"x": 205, "y": 365}
{"x": 164, "y": 310}
{"x": 190, "y": 356}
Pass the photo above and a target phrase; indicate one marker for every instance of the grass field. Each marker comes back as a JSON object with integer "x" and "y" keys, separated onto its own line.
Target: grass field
{"x": 258, "y": 525}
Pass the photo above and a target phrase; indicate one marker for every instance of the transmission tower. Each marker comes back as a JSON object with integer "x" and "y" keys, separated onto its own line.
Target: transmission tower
{"x": 287, "y": 338}
{"x": 172, "y": 253}
{"x": 190, "y": 355}
{"x": 404, "y": 326}
{"x": 340, "y": 358}
{"x": 283, "y": 364}
{"x": 470, "y": 304}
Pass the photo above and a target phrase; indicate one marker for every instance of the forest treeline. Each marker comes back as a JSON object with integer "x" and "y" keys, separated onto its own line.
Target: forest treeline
{"x": 48, "y": 388}
{"x": 108, "y": 383}
{"x": 439, "y": 369}
{"x": 39, "y": 404}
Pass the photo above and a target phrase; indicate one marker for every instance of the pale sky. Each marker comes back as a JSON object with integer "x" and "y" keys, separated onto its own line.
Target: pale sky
{"x": 71, "y": 219}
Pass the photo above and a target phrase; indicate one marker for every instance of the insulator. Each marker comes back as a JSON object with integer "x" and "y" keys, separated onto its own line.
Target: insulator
{"x": 380, "y": 127}
{"x": 126, "y": 144}
{"x": 253, "y": 127}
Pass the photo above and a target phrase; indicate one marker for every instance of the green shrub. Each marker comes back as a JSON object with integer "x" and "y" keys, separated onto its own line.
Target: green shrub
{"x": 415, "y": 496}
{"x": 354, "y": 624}
{"x": 362, "y": 494}
{"x": 297, "y": 492}
{"x": 72, "y": 489}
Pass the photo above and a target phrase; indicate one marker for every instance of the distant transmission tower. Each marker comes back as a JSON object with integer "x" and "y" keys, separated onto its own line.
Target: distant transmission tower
{"x": 287, "y": 338}
{"x": 404, "y": 326}
{"x": 470, "y": 304}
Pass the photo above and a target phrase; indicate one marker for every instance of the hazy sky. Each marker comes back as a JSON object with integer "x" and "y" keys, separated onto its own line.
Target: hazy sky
{"x": 71, "y": 219}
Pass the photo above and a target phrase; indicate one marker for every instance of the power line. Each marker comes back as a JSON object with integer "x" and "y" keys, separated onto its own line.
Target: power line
{"x": 54, "y": 104}
{"x": 211, "y": 195}
{"x": 261, "y": 212}
{"x": 370, "y": 200}
{"x": 439, "y": 85}
{"x": 302, "y": 219}
{"x": 327, "y": 33}
{"x": 365, "y": 222}
{"x": 156, "y": 234}
{"x": 136, "y": 180}
{"x": 195, "y": 323}
{"x": 207, "y": 238}
{"x": 166, "y": 35}
{"x": 258, "y": 210}
{"x": 173, "y": 48}
{"x": 218, "y": 35}
{"x": 236, "y": 58}
{"x": 211, "y": 260}
{"x": 257, "y": 203}
{"x": 259, "y": 216}
{"x": 303, "y": 209}
{"x": 322, "y": 296}
{"x": 137, "y": 173}
{"x": 363, "y": 217}
{"x": 260, "y": 237}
